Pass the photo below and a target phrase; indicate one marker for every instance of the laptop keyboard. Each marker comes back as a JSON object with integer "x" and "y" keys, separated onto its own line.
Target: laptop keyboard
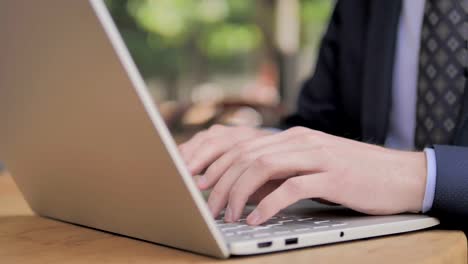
{"x": 276, "y": 226}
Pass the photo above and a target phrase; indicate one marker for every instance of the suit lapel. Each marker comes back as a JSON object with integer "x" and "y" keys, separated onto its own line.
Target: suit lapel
{"x": 461, "y": 134}
{"x": 378, "y": 68}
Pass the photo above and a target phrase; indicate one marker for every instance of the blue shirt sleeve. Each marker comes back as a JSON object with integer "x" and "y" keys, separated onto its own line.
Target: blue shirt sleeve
{"x": 430, "y": 180}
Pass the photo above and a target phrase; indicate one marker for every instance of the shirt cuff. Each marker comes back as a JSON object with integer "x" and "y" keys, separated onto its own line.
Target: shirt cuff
{"x": 430, "y": 180}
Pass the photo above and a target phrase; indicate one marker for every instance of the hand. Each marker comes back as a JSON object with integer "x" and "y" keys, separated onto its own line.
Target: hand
{"x": 363, "y": 177}
{"x": 207, "y": 146}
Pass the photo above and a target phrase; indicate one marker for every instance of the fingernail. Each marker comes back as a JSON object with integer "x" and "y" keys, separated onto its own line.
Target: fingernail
{"x": 228, "y": 215}
{"x": 254, "y": 218}
{"x": 201, "y": 181}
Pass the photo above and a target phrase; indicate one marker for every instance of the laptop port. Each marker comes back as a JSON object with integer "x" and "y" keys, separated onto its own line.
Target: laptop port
{"x": 291, "y": 241}
{"x": 264, "y": 244}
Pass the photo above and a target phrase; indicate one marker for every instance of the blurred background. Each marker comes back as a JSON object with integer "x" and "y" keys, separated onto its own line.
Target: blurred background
{"x": 234, "y": 62}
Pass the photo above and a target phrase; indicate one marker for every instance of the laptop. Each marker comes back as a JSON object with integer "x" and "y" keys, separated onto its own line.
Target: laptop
{"x": 86, "y": 144}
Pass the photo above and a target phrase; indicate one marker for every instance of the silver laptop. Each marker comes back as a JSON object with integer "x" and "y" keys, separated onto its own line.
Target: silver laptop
{"x": 86, "y": 144}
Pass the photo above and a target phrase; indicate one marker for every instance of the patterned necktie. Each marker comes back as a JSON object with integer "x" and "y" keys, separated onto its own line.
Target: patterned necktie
{"x": 441, "y": 65}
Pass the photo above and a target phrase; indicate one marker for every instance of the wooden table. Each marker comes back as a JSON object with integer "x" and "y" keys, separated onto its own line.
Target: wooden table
{"x": 27, "y": 238}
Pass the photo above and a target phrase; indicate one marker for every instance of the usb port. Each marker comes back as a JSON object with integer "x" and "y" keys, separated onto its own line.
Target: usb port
{"x": 290, "y": 241}
{"x": 264, "y": 244}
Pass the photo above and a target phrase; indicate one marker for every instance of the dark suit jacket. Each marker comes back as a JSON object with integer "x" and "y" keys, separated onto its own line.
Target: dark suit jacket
{"x": 350, "y": 94}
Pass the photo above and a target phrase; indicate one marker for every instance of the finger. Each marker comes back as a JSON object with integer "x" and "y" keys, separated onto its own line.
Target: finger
{"x": 223, "y": 187}
{"x": 279, "y": 165}
{"x": 218, "y": 197}
{"x": 220, "y": 166}
{"x": 187, "y": 149}
{"x": 263, "y": 191}
{"x": 214, "y": 144}
{"x": 291, "y": 191}
{"x": 220, "y": 194}
{"x": 209, "y": 150}
{"x": 203, "y": 150}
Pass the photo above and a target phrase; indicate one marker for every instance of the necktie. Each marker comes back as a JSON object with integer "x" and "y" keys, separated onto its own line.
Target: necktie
{"x": 441, "y": 81}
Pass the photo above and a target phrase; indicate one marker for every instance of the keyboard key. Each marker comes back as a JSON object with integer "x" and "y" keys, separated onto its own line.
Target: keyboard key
{"x": 339, "y": 224}
{"x": 245, "y": 231}
{"x": 321, "y": 221}
{"x": 270, "y": 222}
{"x": 273, "y": 225}
{"x": 321, "y": 227}
{"x": 306, "y": 219}
{"x": 302, "y": 229}
{"x": 233, "y": 228}
{"x": 262, "y": 227}
{"x": 226, "y": 224}
{"x": 262, "y": 235}
{"x": 282, "y": 232}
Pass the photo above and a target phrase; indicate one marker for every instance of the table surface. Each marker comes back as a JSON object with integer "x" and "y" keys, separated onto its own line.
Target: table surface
{"x": 27, "y": 238}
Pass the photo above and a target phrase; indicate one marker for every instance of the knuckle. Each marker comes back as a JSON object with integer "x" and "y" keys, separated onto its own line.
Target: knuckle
{"x": 247, "y": 158}
{"x": 314, "y": 134}
{"x": 294, "y": 186}
{"x": 183, "y": 147}
{"x": 210, "y": 141}
{"x": 311, "y": 138}
{"x": 264, "y": 162}
{"x": 211, "y": 170}
{"x": 322, "y": 149}
{"x": 200, "y": 135}
{"x": 243, "y": 148}
{"x": 331, "y": 191}
{"x": 327, "y": 190}
{"x": 215, "y": 193}
{"x": 234, "y": 195}
{"x": 322, "y": 134}
{"x": 316, "y": 140}
{"x": 298, "y": 130}
{"x": 216, "y": 128}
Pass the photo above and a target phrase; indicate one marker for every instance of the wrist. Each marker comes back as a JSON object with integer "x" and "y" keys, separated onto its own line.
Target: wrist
{"x": 417, "y": 177}
{"x": 409, "y": 172}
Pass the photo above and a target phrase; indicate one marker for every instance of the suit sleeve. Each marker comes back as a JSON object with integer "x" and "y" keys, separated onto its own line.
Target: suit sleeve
{"x": 317, "y": 105}
{"x": 451, "y": 192}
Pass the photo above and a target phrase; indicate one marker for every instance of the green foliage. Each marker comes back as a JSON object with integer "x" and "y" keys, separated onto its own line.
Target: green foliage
{"x": 315, "y": 11}
{"x": 162, "y": 35}
{"x": 227, "y": 40}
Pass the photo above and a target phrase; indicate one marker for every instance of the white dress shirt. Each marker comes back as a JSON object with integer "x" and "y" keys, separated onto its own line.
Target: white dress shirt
{"x": 404, "y": 94}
